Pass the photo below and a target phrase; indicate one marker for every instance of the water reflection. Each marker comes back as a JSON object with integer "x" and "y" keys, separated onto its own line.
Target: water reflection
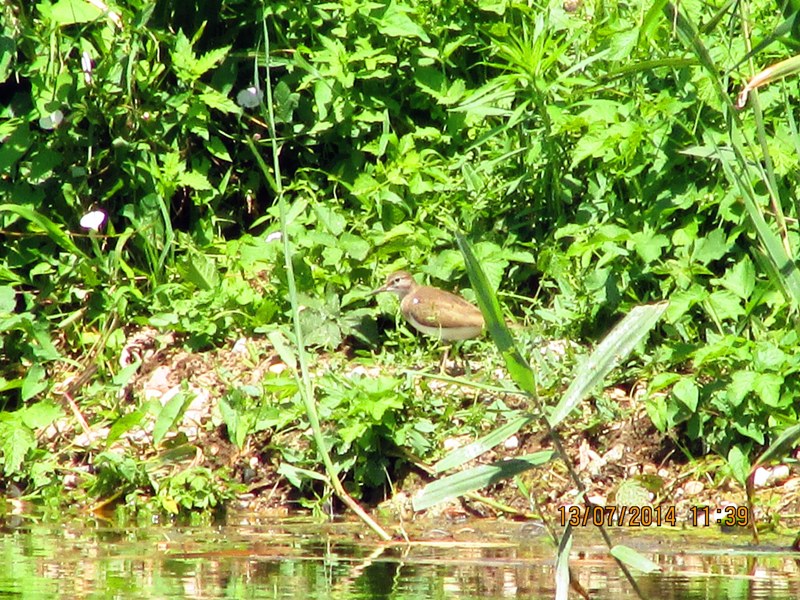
{"x": 308, "y": 560}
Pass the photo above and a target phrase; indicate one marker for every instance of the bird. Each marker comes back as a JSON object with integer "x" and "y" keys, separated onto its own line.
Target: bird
{"x": 433, "y": 311}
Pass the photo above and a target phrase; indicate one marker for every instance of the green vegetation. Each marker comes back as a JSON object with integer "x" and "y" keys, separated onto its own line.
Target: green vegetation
{"x": 590, "y": 155}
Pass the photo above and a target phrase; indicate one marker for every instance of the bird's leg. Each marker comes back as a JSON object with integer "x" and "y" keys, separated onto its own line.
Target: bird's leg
{"x": 443, "y": 362}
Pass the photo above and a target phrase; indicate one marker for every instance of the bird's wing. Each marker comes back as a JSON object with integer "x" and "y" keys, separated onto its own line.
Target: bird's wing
{"x": 448, "y": 311}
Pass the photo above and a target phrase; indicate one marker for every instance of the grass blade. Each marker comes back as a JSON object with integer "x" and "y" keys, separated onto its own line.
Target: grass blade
{"x": 614, "y": 348}
{"x": 517, "y": 366}
{"x": 473, "y": 479}
{"x": 471, "y": 451}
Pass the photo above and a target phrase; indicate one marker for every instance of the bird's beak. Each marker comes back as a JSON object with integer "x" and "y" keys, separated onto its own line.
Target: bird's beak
{"x": 377, "y": 291}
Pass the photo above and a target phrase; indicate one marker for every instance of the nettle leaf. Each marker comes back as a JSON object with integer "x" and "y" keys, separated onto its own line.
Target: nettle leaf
{"x": 724, "y": 304}
{"x": 351, "y": 433}
{"x": 195, "y": 180}
{"x": 331, "y": 218}
{"x": 201, "y": 271}
{"x": 214, "y": 99}
{"x": 41, "y": 414}
{"x": 768, "y": 388}
{"x": 443, "y": 265}
{"x": 649, "y": 245}
{"x": 378, "y": 408}
{"x": 395, "y": 22}
{"x": 712, "y": 247}
{"x": 681, "y": 302}
{"x": 183, "y": 57}
{"x": 189, "y": 67}
{"x": 356, "y": 247}
{"x": 210, "y": 59}
{"x": 768, "y": 357}
{"x": 741, "y": 384}
{"x": 172, "y": 166}
{"x": 493, "y": 261}
{"x": 16, "y": 441}
{"x": 741, "y": 279}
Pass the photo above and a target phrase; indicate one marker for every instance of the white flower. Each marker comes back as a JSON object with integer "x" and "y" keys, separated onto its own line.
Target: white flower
{"x": 52, "y": 120}
{"x": 93, "y": 220}
{"x": 250, "y": 97}
{"x": 86, "y": 67}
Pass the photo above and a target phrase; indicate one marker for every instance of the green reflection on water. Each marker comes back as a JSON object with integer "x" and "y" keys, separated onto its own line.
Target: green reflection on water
{"x": 291, "y": 559}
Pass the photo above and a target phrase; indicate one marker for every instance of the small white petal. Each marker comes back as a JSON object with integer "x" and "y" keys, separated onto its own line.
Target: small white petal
{"x": 86, "y": 62}
{"x": 275, "y": 235}
{"x": 86, "y": 66}
{"x": 93, "y": 220}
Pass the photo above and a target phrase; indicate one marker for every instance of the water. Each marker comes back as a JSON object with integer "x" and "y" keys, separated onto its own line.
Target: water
{"x": 259, "y": 558}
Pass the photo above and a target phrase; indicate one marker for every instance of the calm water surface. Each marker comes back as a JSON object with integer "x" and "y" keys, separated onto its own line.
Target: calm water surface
{"x": 258, "y": 558}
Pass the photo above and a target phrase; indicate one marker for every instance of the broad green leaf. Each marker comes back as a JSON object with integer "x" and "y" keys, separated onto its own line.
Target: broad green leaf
{"x": 724, "y": 304}
{"x": 70, "y": 12}
{"x": 649, "y": 245}
{"x": 711, "y": 247}
{"x": 210, "y": 59}
{"x": 123, "y": 377}
{"x": 124, "y": 424}
{"x": 217, "y": 148}
{"x": 239, "y": 423}
{"x": 741, "y": 384}
{"x": 41, "y": 414}
{"x": 768, "y": 357}
{"x": 216, "y": 100}
{"x": 687, "y": 393}
{"x": 658, "y": 412}
{"x": 739, "y": 464}
{"x": 33, "y": 382}
{"x": 194, "y": 180}
{"x": 170, "y": 414}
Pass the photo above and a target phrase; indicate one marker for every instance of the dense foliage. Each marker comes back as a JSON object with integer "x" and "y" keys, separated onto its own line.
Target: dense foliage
{"x": 588, "y": 151}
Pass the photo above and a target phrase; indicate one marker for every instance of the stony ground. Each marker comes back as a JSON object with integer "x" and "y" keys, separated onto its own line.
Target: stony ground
{"x": 622, "y": 462}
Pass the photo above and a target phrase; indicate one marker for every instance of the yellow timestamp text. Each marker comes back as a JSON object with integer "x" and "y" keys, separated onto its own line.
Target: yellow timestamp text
{"x": 617, "y": 514}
